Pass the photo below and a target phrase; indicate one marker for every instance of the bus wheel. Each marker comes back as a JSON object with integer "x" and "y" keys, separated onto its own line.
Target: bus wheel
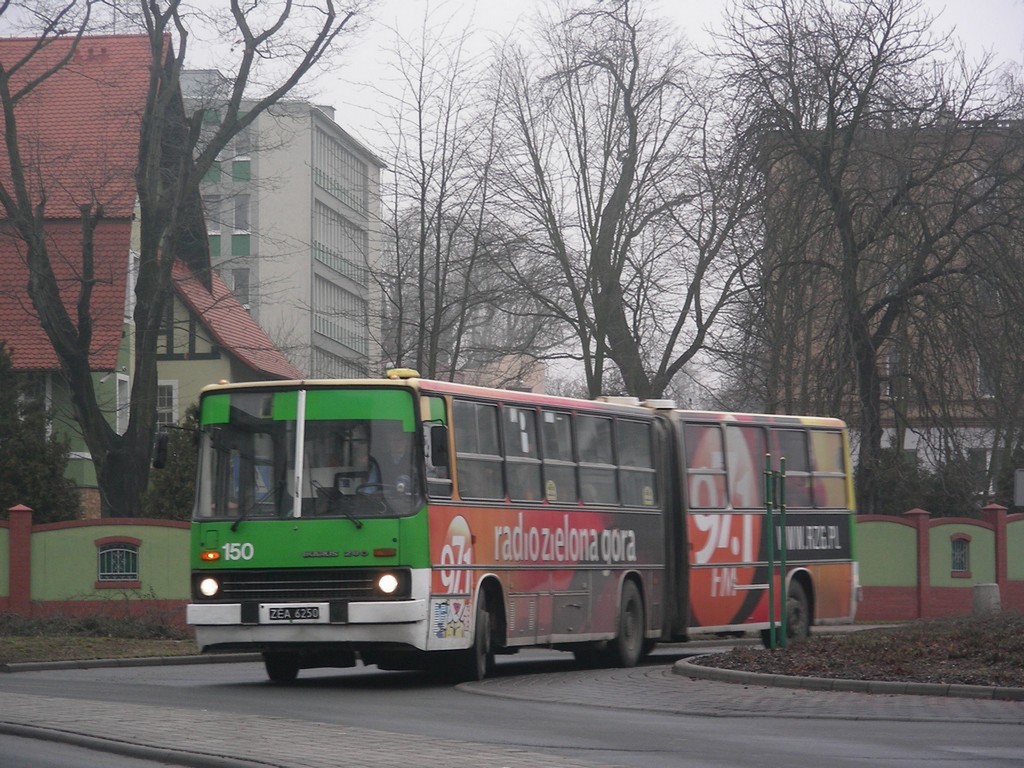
{"x": 798, "y": 614}
{"x": 281, "y": 667}
{"x": 476, "y": 661}
{"x": 798, "y": 617}
{"x": 628, "y": 646}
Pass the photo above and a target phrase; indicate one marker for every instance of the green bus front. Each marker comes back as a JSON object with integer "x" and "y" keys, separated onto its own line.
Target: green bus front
{"x": 309, "y": 535}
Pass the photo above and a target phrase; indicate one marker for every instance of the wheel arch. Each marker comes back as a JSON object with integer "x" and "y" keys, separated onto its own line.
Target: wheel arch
{"x": 638, "y": 581}
{"x": 803, "y": 577}
{"x": 490, "y": 585}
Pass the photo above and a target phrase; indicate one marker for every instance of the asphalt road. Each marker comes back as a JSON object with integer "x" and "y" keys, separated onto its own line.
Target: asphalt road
{"x": 538, "y": 711}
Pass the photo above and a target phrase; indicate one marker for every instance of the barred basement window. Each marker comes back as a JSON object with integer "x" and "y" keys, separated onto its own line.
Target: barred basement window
{"x": 960, "y": 555}
{"x": 118, "y": 562}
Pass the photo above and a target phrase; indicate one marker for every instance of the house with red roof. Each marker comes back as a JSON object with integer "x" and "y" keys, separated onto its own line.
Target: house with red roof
{"x": 78, "y": 138}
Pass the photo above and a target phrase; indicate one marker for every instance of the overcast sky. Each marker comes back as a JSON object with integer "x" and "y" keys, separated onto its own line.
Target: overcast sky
{"x": 995, "y": 25}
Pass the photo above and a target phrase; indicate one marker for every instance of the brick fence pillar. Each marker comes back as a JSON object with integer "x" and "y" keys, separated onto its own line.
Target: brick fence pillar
{"x": 995, "y": 515}
{"x": 19, "y": 522}
{"x": 921, "y": 519}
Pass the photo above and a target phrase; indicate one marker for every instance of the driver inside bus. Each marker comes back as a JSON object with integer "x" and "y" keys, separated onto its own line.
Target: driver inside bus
{"x": 390, "y": 458}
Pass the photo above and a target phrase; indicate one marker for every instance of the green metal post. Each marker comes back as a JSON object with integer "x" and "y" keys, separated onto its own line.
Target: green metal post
{"x": 783, "y": 590}
{"x": 769, "y": 487}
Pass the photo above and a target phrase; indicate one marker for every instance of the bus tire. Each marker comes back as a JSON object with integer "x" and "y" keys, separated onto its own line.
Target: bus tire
{"x": 281, "y": 667}
{"x": 627, "y": 648}
{"x": 798, "y": 617}
{"x": 798, "y": 613}
{"x": 475, "y": 662}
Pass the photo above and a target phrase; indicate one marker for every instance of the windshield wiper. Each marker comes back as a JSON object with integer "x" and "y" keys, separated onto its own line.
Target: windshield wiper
{"x": 334, "y": 498}
{"x": 250, "y": 508}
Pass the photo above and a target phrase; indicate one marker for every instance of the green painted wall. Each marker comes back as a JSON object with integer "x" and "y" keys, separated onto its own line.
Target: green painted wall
{"x": 981, "y": 555}
{"x": 887, "y": 553}
{"x": 1015, "y": 550}
{"x": 65, "y": 561}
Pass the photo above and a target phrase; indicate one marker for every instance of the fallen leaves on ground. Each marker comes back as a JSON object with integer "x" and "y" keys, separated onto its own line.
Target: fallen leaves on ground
{"x": 967, "y": 650}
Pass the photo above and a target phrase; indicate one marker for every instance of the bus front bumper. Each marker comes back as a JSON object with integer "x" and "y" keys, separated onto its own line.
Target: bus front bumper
{"x": 220, "y": 626}
{"x": 370, "y": 612}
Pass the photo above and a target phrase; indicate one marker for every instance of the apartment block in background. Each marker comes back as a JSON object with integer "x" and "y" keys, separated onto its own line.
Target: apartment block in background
{"x": 292, "y": 210}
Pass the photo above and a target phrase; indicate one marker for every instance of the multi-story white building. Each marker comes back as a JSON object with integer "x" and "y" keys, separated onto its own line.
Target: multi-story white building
{"x": 292, "y": 209}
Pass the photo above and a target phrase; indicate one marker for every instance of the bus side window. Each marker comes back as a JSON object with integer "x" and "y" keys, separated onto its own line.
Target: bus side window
{"x": 791, "y": 444}
{"x": 745, "y": 448}
{"x": 478, "y": 453}
{"x": 559, "y": 464}
{"x": 829, "y": 470}
{"x": 597, "y": 460}
{"x": 705, "y": 466}
{"x": 637, "y": 482}
{"x": 522, "y": 455}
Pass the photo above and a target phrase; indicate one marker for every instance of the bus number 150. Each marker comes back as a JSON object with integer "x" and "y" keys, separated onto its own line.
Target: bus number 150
{"x": 236, "y": 551}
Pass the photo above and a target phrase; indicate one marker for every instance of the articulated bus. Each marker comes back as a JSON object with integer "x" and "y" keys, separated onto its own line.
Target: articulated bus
{"x": 418, "y": 524}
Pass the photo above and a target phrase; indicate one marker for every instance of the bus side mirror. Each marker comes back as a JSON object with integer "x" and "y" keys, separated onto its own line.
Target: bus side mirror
{"x": 437, "y": 444}
{"x": 160, "y": 450}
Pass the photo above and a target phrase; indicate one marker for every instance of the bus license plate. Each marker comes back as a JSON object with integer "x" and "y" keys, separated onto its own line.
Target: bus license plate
{"x": 293, "y": 614}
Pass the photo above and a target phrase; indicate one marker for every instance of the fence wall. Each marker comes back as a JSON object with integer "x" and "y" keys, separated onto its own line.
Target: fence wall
{"x": 918, "y": 567}
{"x": 907, "y": 567}
{"x": 59, "y": 568}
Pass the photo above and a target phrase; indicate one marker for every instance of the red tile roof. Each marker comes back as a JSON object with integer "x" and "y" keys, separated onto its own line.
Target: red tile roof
{"x": 78, "y": 134}
{"x": 79, "y": 129}
{"x": 19, "y": 324}
{"x": 231, "y": 326}
{"x": 79, "y": 137}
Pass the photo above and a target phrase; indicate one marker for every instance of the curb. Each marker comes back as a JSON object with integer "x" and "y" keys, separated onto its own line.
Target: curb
{"x": 688, "y": 669}
{"x": 166, "y": 755}
{"x": 141, "y": 661}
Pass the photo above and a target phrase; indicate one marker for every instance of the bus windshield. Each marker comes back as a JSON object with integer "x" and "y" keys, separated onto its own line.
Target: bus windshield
{"x": 349, "y": 453}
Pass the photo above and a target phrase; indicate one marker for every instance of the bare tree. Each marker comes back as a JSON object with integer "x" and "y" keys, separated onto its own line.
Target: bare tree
{"x": 881, "y": 147}
{"x": 621, "y": 180}
{"x": 273, "y": 48}
{"x": 446, "y": 305}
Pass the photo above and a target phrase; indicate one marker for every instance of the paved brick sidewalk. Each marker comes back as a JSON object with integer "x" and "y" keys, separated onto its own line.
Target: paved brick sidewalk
{"x": 658, "y": 689}
{"x": 214, "y": 740}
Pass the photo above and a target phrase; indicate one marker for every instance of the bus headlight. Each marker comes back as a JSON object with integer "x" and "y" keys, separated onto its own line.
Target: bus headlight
{"x": 209, "y": 587}
{"x": 387, "y": 583}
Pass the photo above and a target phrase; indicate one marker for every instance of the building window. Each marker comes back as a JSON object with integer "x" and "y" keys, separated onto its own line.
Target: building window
{"x": 211, "y": 208}
{"x": 167, "y": 403}
{"x": 243, "y": 143}
{"x": 977, "y": 464}
{"x": 240, "y": 170}
{"x": 241, "y": 213}
{"x": 340, "y": 172}
{"x": 340, "y": 315}
{"x": 133, "y": 276}
{"x": 212, "y": 175}
{"x": 118, "y": 562}
{"x": 960, "y": 556}
{"x": 240, "y": 245}
{"x": 240, "y": 285}
{"x": 330, "y": 366}
{"x": 986, "y": 384}
{"x": 340, "y": 244}
{"x": 124, "y": 402}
